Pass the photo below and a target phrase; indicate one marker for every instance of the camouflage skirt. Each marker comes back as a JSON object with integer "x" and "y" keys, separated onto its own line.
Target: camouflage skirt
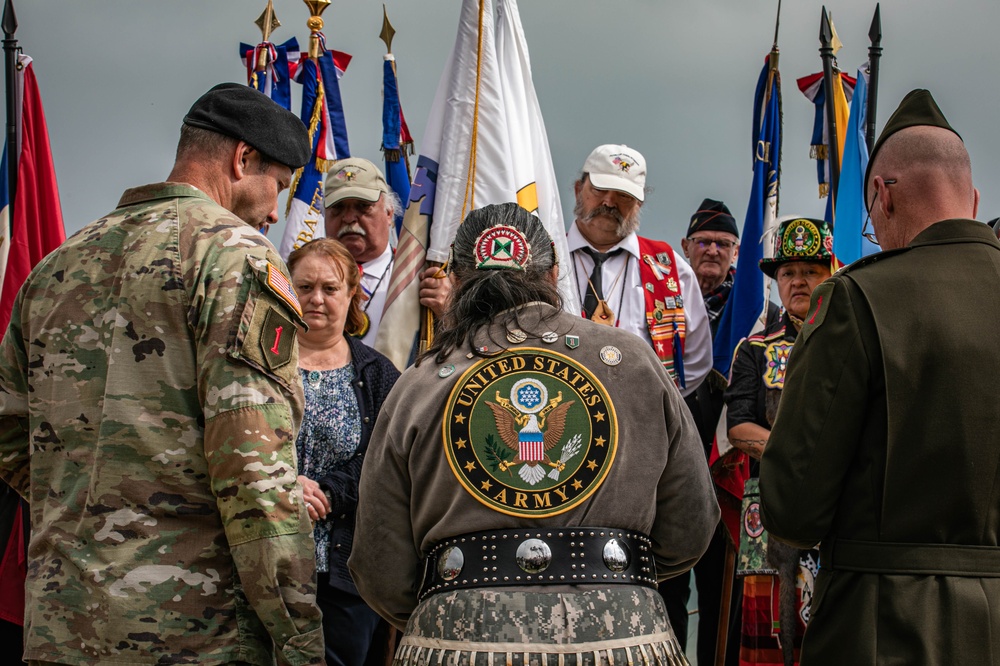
{"x": 622, "y": 625}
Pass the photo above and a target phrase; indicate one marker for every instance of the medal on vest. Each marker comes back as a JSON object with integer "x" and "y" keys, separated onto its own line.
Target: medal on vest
{"x": 516, "y": 336}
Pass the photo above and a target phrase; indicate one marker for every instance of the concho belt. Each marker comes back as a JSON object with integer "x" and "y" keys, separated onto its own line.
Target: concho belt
{"x": 562, "y": 556}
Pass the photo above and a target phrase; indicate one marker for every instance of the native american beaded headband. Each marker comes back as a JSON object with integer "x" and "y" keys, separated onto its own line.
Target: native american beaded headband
{"x": 502, "y": 247}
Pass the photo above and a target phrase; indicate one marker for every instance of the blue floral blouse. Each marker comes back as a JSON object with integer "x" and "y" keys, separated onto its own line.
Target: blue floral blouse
{"x": 329, "y": 436}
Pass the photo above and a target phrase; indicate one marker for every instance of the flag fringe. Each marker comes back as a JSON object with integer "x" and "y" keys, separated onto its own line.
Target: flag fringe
{"x": 819, "y": 152}
{"x": 292, "y": 188}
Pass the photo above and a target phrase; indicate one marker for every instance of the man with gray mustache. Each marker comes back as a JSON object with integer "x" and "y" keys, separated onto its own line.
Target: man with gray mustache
{"x": 360, "y": 207}
{"x": 635, "y": 283}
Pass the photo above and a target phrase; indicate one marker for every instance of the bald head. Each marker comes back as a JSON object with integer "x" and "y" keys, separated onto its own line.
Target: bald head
{"x": 925, "y": 151}
{"x": 921, "y": 175}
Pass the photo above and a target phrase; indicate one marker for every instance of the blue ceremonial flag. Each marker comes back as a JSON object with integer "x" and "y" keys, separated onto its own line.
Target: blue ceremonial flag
{"x": 274, "y": 79}
{"x": 746, "y": 307}
{"x": 396, "y": 140}
{"x": 848, "y": 244}
{"x": 323, "y": 114}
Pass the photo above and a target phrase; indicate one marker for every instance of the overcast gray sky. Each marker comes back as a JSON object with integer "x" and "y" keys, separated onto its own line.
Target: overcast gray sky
{"x": 673, "y": 79}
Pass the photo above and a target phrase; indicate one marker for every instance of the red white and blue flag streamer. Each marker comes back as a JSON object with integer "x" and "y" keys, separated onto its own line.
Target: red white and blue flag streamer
{"x": 274, "y": 80}
{"x": 323, "y": 115}
{"x": 812, "y": 87}
{"x": 396, "y": 140}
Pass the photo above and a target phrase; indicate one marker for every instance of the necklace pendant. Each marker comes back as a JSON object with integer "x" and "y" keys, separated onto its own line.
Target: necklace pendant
{"x": 603, "y": 314}
{"x": 315, "y": 378}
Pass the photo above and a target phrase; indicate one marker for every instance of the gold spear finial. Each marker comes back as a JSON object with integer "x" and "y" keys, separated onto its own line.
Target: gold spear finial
{"x": 387, "y": 30}
{"x": 267, "y": 22}
{"x": 315, "y": 24}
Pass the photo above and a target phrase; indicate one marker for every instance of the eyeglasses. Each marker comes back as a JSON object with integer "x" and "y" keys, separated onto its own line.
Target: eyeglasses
{"x": 870, "y": 235}
{"x": 722, "y": 245}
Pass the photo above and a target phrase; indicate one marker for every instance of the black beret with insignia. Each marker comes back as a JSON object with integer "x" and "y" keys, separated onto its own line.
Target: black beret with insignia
{"x": 240, "y": 112}
{"x": 917, "y": 108}
{"x": 713, "y": 215}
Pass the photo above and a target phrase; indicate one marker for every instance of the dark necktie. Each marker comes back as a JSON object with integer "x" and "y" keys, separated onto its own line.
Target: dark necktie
{"x": 595, "y": 290}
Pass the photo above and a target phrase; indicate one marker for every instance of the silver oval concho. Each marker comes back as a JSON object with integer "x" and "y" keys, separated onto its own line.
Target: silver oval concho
{"x": 534, "y": 556}
{"x": 616, "y": 555}
{"x": 450, "y": 563}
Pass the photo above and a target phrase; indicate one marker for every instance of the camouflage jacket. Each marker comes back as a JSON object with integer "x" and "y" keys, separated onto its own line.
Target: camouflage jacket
{"x": 149, "y": 403}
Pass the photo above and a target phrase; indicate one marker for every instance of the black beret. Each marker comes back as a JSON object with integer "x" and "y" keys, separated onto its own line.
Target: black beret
{"x": 917, "y": 108}
{"x": 713, "y": 215}
{"x": 245, "y": 114}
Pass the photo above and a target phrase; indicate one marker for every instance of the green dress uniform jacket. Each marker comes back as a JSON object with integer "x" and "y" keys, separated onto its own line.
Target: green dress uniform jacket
{"x": 412, "y": 498}
{"x": 149, "y": 401}
{"x": 886, "y": 450}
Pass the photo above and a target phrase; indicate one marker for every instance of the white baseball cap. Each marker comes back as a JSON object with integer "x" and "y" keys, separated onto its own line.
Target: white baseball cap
{"x": 617, "y": 167}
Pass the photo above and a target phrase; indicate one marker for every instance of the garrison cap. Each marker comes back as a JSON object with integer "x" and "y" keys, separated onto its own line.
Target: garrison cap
{"x": 713, "y": 215}
{"x": 917, "y": 108}
{"x": 240, "y": 112}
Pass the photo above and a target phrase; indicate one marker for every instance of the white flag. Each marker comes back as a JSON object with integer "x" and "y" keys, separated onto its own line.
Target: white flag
{"x": 484, "y": 144}
{"x": 534, "y": 176}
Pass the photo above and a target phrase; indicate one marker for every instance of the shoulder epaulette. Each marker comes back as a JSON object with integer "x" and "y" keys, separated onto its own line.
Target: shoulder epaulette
{"x": 870, "y": 259}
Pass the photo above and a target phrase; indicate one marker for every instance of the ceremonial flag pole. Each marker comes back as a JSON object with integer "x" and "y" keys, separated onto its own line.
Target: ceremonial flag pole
{"x": 813, "y": 87}
{"x": 833, "y": 144}
{"x": 397, "y": 143}
{"x": 745, "y": 311}
{"x": 319, "y": 72}
{"x": 267, "y": 63}
{"x": 746, "y": 308}
{"x": 10, "y": 51}
{"x": 874, "y": 55}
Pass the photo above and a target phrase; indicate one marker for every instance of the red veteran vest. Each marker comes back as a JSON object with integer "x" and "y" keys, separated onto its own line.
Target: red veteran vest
{"x": 661, "y": 285}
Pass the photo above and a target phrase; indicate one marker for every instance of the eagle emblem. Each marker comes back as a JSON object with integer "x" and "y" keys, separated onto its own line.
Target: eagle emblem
{"x": 530, "y": 425}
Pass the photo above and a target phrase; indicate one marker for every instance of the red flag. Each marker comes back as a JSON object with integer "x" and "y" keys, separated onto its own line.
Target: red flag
{"x": 37, "y": 225}
{"x": 35, "y": 230}
{"x": 13, "y": 569}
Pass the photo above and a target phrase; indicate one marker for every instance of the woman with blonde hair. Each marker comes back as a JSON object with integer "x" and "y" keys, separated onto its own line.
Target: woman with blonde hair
{"x": 345, "y": 383}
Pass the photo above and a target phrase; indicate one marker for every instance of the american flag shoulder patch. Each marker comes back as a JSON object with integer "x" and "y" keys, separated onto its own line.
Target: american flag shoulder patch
{"x": 279, "y": 284}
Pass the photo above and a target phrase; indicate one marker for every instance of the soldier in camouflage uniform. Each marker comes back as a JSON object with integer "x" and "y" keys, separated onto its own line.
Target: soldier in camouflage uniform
{"x": 149, "y": 402}
{"x": 568, "y": 437}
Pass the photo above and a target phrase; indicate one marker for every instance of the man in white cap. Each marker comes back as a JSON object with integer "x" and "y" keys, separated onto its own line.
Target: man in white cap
{"x": 360, "y": 207}
{"x": 635, "y": 283}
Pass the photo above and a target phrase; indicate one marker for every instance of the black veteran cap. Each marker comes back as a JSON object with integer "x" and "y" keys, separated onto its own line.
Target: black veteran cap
{"x": 243, "y": 113}
{"x": 713, "y": 215}
{"x": 917, "y": 108}
{"x": 799, "y": 239}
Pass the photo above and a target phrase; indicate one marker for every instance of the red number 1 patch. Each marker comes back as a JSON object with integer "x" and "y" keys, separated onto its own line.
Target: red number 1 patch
{"x": 277, "y": 339}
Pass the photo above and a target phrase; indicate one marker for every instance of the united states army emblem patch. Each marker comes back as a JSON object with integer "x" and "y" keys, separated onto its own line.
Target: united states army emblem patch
{"x": 530, "y": 433}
